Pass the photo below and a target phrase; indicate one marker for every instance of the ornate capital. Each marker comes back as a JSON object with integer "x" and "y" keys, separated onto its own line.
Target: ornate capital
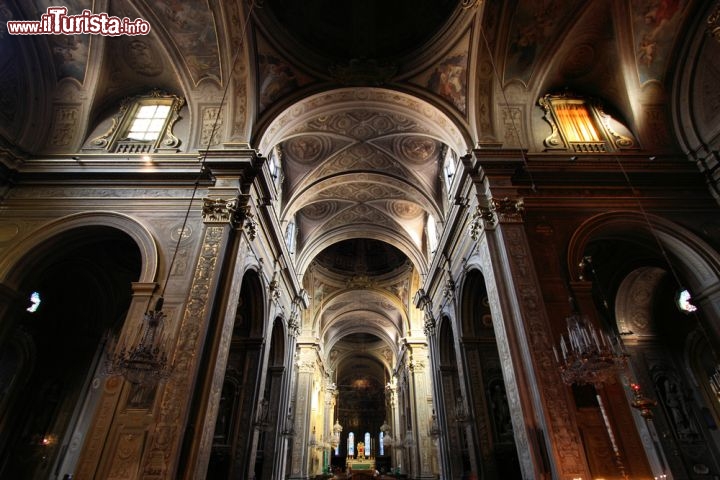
{"x": 306, "y": 366}
{"x": 219, "y": 210}
{"x": 416, "y": 365}
{"x": 449, "y": 288}
{"x": 429, "y": 325}
{"x": 508, "y": 210}
{"x": 483, "y": 217}
{"x": 713, "y": 23}
{"x": 294, "y": 327}
{"x": 235, "y": 211}
{"x": 274, "y": 289}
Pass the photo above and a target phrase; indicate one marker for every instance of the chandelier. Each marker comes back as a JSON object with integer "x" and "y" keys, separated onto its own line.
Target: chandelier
{"x": 588, "y": 356}
{"x": 337, "y": 429}
{"x": 144, "y": 363}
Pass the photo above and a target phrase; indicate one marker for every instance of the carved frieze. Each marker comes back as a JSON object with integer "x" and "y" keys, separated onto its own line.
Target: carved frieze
{"x": 235, "y": 211}
{"x": 175, "y": 397}
{"x": 220, "y": 210}
{"x": 212, "y": 121}
{"x": 713, "y": 22}
{"x": 64, "y": 125}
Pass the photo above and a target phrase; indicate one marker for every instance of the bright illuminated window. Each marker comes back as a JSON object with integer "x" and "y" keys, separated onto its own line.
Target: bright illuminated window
{"x": 143, "y": 125}
{"x": 580, "y": 125}
{"x": 382, "y": 443}
{"x": 684, "y": 302}
{"x": 367, "y": 444}
{"x": 449, "y": 168}
{"x": 274, "y": 164}
{"x": 34, "y": 301}
{"x": 291, "y": 235}
{"x": 576, "y": 122}
{"x": 148, "y": 122}
{"x": 432, "y": 233}
{"x": 351, "y": 444}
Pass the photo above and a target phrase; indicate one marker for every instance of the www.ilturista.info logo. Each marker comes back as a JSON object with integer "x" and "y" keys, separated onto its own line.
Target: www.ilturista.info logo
{"x": 57, "y": 22}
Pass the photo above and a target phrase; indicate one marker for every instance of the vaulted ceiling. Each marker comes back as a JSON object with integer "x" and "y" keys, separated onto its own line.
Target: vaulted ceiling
{"x": 363, "y": 99}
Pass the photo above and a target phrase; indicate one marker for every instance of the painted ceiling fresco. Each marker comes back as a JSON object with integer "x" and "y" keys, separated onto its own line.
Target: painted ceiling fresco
{"x": 70, "y": 52}
{"x": 655, "y": 25}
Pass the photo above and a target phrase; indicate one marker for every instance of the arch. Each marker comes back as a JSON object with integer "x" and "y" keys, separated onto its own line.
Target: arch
{"x": 277, "y": 343}
{"x": 402, "y": 243}
{"x": 431, "y": 119}
{"x": 470, "y": 303}
{"x": 699, "y": 262}
{"x": 446, "y": 343}
{"x": 31, "y": 248}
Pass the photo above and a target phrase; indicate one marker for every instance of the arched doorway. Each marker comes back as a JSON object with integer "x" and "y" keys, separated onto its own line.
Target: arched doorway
{"x": 674, "y": 363}
{"x": 490, "y": 412}
{"x": 269, "y": 422}
{"x": 82, "y": 284}
{"x": 455, "y": 441}
{"x": 233, "y": 450}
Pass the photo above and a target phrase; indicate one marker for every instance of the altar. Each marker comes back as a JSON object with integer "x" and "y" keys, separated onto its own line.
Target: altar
{"x": 361, "y": 466}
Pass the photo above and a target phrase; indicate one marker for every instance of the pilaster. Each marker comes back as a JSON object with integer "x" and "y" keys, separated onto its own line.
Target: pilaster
{"x": 537, "y": 399}
{"x": 306, "y": 366}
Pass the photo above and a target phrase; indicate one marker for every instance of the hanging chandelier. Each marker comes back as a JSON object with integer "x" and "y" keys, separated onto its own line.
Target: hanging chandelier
{"x": 587, "y": 355}
{"x": 144, "y": 363}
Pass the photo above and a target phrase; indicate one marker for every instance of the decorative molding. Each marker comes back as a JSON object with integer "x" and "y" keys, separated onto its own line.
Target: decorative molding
{"x": 234, "y": 211}
{"x": 164, "y": 440}
{"x": 508, "y": 210}
{"x": 713, "y": 23}
{"x": 220, "y": 210}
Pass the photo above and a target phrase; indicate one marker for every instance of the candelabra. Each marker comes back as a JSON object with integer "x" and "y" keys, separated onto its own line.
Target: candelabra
{"x": 146, "y": 362}
{"x": 642, "y": 403}
{"x": 592, "y": 357}
{"x": 387, "y": 439}
{"x": 588, "y": 355}
{"x": 337, "y": 430}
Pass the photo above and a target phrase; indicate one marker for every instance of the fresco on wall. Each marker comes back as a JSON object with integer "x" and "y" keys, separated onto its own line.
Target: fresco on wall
{"x": 192, "y": 28}
{"x": 655, "y": 25}
{"x": 70, "y": 52}
{"x": 449, "y": 80}
{"x": 534, "y": 23}
{"x": 276, "y": 79}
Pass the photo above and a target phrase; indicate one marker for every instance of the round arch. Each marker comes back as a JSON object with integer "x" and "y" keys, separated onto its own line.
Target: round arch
{"x": 698, "y": 263}
{"x": 40, "y": 241}
{"x": 405, "y": 245}
{"x": 432, "y": 120}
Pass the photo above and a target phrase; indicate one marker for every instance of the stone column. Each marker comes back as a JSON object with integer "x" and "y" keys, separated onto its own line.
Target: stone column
{"x": 538, "y": 400}
{"x": 286, "y": 408}
{"x": 420, "y": 387}
{"x": 225, "y": 211}
{"x": 306, "y": 365}
{"x": 331, "y": 393}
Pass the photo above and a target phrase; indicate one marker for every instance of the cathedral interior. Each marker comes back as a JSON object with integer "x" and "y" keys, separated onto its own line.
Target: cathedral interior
{"x": 420, "y": 239}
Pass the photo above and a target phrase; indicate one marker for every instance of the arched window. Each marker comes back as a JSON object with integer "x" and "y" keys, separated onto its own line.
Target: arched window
{"x": 432, "y": 233}
{"x": 351, "y": 444}
{"x": 143, "y": 124}
{"x": 580, "y": 125}
{"x": 449, "y": 168}
{"x": 274, "y": 164}
{"x": 291, "y": 235}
